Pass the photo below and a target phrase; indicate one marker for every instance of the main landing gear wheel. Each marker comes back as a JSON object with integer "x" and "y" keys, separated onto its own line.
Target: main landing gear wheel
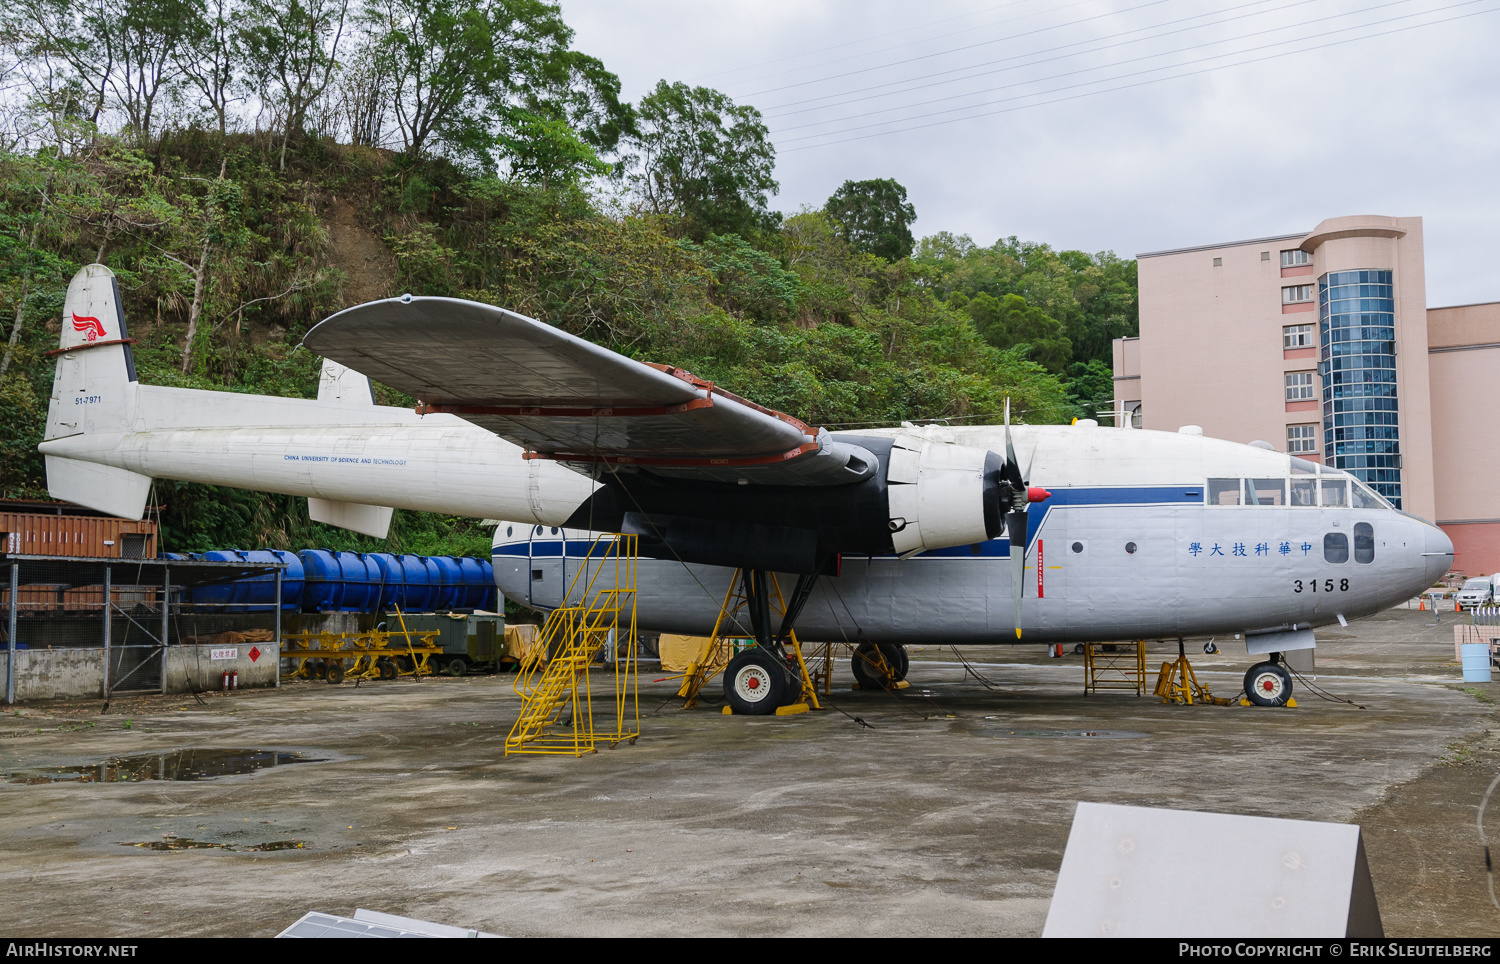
{"x": 756, "y": 683}
{"x": 867, "y": 669}
{"x": 1268, "y": 684}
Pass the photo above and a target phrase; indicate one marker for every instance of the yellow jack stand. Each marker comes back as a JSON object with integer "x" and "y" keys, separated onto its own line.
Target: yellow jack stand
{"x": 1177, "y": 683}
{"x": 719, "y": 648}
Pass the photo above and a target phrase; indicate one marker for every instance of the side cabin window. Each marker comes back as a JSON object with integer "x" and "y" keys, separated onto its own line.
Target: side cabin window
{"x": 1265, "y": 491}
{"x": 1304, "y": 491}
{"x": 1335, "y": 548}
{"x": 1335, "y": 492}
{"x": 1224, "y": 491}
{"x": 1364, "y": 543}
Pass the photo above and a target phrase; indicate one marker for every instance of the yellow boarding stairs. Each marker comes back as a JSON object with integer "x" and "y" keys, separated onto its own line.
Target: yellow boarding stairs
{"x": 557, "y": 707}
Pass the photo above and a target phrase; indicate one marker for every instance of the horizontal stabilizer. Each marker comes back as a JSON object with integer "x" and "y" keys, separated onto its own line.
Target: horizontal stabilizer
{"x": 369, "y": 520}
{"x": 103, "y": 488}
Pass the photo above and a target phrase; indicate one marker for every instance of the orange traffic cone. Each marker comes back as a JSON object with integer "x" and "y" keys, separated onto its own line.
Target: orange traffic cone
{"x": 1421, "y": 603}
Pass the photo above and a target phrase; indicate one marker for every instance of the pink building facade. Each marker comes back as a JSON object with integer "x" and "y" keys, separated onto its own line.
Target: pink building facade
{"x": 1322, "y": 345}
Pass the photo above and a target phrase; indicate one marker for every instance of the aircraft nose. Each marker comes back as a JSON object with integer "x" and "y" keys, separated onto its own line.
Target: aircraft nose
{"x": 1437, "y": 556}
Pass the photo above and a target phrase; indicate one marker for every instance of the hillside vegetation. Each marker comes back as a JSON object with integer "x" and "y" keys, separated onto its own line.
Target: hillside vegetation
{"x": 646, "y": 228}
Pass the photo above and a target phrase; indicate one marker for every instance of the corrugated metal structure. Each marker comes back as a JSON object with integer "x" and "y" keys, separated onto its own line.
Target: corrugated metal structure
{"x": 62, "y": 529}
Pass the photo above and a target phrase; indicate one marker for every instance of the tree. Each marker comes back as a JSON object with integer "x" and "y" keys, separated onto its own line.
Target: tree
{"x": 456, "y": 67}
{"x": 704, "y": 158}
{"x": 122, "y": 51}
{"x": 205, "y": 57}
{"x": 1010, "y": 321}
{"x": 290, "y": 50}
{"x": 547, "y": 151}
{"x": 875, "y": 217}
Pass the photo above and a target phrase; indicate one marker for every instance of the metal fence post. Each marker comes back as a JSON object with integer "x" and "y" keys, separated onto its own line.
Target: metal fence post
{"x": 278, "y": 628}
{"x": 166, "y": 609}
{"x": 10, "y": 644}
{"x": 108, "y": 602}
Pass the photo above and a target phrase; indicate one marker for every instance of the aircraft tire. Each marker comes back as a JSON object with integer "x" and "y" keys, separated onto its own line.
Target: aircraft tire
{"x": 336, "y": 671}
{"x": 866, "y": 675}
{"x": 1079, "y": 649}
{"x": 1210, "y": 648}
{"x": 756, "y": 683}
{"x": 1268, "y": 684}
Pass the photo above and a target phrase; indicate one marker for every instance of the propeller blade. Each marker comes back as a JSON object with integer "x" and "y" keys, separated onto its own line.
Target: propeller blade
{"x": 1012, "y": 470}
{"x": 1015, "y": 528}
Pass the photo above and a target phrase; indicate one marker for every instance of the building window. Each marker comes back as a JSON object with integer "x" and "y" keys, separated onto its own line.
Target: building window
{"x": 1299, "y": 386}
{"x": 1294, "y": 257}
{"x": 1296, "y": 294}
{"x": 1296, "y": 336}
{"x": 1361, "y": 411}
{"x": 1301, "y": 438}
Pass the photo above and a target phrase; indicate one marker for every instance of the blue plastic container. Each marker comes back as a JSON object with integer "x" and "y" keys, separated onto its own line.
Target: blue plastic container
{"x": 392, "y": 581}
{"x": 362, "y": 582}
{"x": 323, "y": 574}
{"x": 450, "y": 580}
{"x": 1476, "y": 662}
{"x": 222, "y": 596}
{"x": 419, "y": 579}
{"x": 473, "y": 581}
{"x": 489, "y": 597}
{"x": 259, "y": 592}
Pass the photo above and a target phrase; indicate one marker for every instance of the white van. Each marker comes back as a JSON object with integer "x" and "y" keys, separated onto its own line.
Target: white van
{"x": 1478, "y": 591}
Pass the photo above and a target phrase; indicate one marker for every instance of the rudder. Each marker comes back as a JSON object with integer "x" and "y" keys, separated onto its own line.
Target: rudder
{"x": 94, "y": 393}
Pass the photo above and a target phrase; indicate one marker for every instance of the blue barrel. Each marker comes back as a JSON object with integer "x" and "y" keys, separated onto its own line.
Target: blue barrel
{"x": 473, "y": 578}
{"x": 419, "y": 583}
{"x": 450, "y": 579}
{"x": 392, "y": 581}
{"x": 489, "y": 598}
{"x": 259, "y": 592}
{"x": 362, "y": 581}
{"x": 323, "y": 587}
{"x": 1476, "y": 660}
{"x": 222, "y": 596}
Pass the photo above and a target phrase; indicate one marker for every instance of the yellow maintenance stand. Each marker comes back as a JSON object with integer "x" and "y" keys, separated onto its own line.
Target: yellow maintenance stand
{"x": 375, "y": 654}
{"x": 719, "y": 648}
{"x": 557, "y": 704}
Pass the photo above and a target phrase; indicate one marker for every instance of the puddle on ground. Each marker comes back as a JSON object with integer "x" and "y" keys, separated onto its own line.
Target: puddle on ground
{"x": 189, "y": 764}
{"x": 1066, "y": 734}
{"x": 174, "y": 844}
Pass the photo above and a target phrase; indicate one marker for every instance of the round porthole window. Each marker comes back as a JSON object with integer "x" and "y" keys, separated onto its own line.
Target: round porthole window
{"x": 554, "y": 532}
{"x": 1077, "y": 547}
{"x": 509, "y": 530}
{"x": 1130, "y": 548}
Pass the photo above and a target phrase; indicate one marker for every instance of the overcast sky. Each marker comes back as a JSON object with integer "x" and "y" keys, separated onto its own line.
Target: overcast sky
{"x": 1163, "y": 130}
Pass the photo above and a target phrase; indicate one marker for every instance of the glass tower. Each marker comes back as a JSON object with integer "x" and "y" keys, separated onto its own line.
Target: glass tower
{"x": 1357, "y": 322}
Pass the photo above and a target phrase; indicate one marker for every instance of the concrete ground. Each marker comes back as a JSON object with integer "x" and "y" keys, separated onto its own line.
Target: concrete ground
{"x": 946, "y": 815}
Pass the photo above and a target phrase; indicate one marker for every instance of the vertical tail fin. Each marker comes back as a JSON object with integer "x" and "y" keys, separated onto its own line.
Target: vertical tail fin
{"x": 339, "y": 384}
{"x": 93, "y": 392}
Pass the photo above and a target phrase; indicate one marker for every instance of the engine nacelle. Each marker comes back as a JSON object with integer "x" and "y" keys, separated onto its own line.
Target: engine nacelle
{"x": 940, "y": 494}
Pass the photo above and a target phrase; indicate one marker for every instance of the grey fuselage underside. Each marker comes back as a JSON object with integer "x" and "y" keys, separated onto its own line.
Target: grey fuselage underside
{"x": 1195, "y": 570}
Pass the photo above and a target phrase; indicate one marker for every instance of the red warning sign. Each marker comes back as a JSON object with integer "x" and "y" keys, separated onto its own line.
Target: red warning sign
{"x": 254, "y": 653}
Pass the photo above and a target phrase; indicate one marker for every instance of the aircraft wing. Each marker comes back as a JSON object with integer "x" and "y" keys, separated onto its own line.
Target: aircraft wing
{"x": 563, "y": 398}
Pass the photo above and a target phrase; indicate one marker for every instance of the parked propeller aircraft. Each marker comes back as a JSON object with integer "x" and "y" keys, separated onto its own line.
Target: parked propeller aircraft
{"x": 894, "y": 536}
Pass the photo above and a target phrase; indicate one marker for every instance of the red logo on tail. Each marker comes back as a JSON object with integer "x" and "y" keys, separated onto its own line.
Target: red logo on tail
{"x": 91, "y": 327}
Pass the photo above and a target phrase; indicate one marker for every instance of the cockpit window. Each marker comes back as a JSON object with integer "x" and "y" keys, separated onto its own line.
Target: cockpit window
{"x": 1335, "y": 492}
{"x": 1363, "y": 497}
{"x": 1364, "y": 543}
{"x": 1304, "y": 491}
{"x": 1335, "y": 548}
